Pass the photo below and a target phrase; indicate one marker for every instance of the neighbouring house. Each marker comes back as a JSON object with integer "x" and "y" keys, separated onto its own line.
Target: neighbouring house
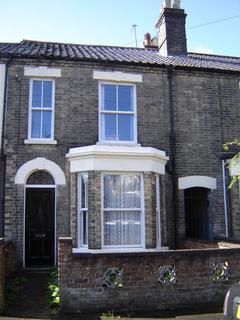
{"x": 119, "y": 149}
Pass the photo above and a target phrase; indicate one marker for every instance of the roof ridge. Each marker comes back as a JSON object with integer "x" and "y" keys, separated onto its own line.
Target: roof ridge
{"x": 81, "y": 44}
{"x": 213, "y": 55}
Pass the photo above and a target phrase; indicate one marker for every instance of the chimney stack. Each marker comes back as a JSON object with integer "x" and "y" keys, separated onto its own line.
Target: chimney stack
{"x": 171, "y": 29}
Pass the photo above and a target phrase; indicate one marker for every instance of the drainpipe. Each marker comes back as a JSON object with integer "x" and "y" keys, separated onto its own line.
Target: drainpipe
{"x": 173, "y": 153}
{"x": 3, "y": 156}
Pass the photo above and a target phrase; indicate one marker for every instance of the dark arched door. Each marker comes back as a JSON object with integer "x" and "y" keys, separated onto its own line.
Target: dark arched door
{"x": 197, "y": 213}
{"x": 39, "y": 220}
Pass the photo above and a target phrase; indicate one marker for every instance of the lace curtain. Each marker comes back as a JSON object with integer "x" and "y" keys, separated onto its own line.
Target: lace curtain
{"x": 122, "y": 210}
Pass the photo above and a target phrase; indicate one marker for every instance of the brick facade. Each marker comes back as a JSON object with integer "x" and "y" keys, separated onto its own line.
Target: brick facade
{"x": 187, "y": 107}
{"x": 2, "y": 274}
{"x": 8, "y": 266}
{"x": 81, "y": 279}
{"x": 205, "y": 107}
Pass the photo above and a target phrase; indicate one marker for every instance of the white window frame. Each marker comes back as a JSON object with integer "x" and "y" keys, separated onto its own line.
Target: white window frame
{"x": 142, "y": 212}
{"x": 158, "y": 212}
{"x": 80, "y": 213}
{"x": 30, "y": 138}
{"x": 134, "y": 112}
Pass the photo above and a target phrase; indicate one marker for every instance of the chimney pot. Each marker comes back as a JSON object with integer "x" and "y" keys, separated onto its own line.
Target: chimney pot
{"x": 167, "y": 3}
{"x": 177, "y": 4}
{"x": 147, "y": 39}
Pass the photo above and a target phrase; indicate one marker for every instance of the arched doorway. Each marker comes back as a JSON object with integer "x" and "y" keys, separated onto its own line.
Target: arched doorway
{"x": 40, "y": 219}
{"x": 196, "y": 201}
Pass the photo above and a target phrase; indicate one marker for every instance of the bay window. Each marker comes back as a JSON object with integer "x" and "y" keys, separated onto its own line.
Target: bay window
{"x": 122, "y": 210}
{"x": 117, "y": 112}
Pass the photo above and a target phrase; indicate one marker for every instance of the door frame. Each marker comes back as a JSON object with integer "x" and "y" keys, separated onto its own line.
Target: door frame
{"x": 39, "y": 186}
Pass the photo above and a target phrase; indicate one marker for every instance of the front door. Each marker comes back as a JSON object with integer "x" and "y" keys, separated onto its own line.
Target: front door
{"x": 39, "y": 226}
{"x": 197, "y": 213}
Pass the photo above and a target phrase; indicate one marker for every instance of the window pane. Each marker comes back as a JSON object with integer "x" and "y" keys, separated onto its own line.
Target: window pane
{"x": 131, "y": 228}
{"x": 84, "y": 227}
{"x": 40, "y": 177}
{"x": 46, "y": 126}
{"x": 122, "y": 228}
{"x": 47, "y": 94}
{"x": 112, "y": 191}
{"x": 131, "y": 187}
{"x": 84, "y": 187}
{"x": 109, "y": 97}
{"x": 125, "y": 127}
{"x": 112, "y": 228}
{"x": 83, "y": 213}
{"x": 122, "y": 191}
{"x": 109, "y": 131}
{"x": 125, "y": 98}
{"x": 36, "y": 124}
{"x": 36, "y": 94}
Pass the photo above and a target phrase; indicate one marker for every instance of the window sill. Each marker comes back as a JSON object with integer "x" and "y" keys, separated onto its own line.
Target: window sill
{"x": 118, "y": 143}
{"x": 118, "y": 251}
{"x": 33, "y": 141}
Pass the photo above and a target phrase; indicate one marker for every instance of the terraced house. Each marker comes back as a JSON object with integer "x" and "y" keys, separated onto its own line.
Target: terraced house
{"x": 119, "y": 149}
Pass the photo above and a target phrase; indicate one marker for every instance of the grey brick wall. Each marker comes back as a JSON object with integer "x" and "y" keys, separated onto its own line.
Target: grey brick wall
{"x": 1, "y": 196}
{"x": 172, "y": 32}
{"x": 206, "y": 114}
{"x": 204, "y": 120}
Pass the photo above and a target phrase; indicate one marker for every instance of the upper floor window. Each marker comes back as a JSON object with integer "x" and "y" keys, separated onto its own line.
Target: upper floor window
{"x": 41, "y": 109}
{"x": 118, "y": 113}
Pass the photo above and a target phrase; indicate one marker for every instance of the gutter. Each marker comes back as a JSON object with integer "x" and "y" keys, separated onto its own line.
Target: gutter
{"x": 173, "y": 154}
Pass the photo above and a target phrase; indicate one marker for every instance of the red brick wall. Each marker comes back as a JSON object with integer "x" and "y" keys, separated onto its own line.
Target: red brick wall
{"x": 81, "y": 277}
{"x": 199, "y": 244}
{"x": 202, "y": 244}
{"x": 11, "y": 258}
{"x": 2, "y": 274}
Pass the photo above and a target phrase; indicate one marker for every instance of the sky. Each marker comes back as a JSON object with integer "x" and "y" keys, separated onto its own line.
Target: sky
{"x": 109, "y": 22}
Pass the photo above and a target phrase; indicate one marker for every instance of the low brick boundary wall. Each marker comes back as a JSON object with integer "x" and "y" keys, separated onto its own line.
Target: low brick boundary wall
{"x": 2, "y": 274}
{"x": 82, "y": 276}
{"x": 202, "y": 244}
{"x": 11, "y": 258}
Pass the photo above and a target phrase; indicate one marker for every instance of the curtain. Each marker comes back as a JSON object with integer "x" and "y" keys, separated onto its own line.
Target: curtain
{"x": 122, "y": 226}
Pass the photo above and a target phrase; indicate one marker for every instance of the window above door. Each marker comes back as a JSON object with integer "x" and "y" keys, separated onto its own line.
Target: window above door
{"x": 41, "y": 111}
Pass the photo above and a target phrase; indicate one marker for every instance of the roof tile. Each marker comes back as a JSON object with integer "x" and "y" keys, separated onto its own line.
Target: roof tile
{"x": 35, "y": 49}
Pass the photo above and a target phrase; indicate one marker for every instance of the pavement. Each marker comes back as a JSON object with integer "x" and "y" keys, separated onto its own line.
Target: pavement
{"x": 211, "y": 316}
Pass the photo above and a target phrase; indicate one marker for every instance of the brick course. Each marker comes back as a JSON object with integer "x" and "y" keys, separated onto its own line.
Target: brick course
{"x": 2, "y": 274}
{"x": 81, "y": 278}
{"x": 206, "y": 114}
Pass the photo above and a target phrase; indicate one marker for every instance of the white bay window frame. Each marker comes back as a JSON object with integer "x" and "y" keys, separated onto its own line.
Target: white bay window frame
{"x": 158, "y": 212}
{"x": 141, "y": 210}
{"x": 82, "y": 210}
{"x": 41, "y": 109}
{"x": 117, "y": 112}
